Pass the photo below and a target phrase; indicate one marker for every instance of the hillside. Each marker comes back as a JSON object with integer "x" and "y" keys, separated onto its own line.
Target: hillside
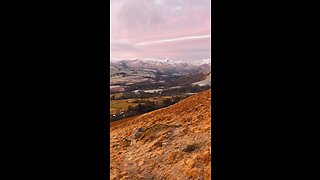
{"x": 169, "y": 143}
{"x": 206, "y": 81}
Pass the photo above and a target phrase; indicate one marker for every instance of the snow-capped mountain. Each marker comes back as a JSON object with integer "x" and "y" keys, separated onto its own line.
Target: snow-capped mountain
{"x": 203, "y": 61}
{"x": 159, "y": 64}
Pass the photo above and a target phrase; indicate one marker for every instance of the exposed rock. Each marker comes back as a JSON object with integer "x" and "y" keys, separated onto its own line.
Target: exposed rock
{"x": 190, "y": 148}
{"x": 141, "y": 129}
{"x": 139, "y": 133}
{"x": 126, "y": 142}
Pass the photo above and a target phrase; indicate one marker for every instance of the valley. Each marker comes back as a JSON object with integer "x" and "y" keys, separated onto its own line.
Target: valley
{"x": 139, "y": 86}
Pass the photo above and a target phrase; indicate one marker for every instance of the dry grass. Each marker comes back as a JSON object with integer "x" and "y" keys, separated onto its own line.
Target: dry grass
{"x": 175, "y": 145}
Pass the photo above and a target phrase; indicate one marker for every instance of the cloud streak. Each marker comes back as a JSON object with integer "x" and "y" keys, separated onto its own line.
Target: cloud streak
{"x": 173, "y": 40}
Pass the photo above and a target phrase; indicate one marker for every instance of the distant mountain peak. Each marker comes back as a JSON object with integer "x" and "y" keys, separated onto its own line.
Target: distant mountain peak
{"x": 168, "y": 61}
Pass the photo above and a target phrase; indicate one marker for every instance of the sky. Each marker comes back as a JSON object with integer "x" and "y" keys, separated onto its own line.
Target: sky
{"x": 175, "y": 29}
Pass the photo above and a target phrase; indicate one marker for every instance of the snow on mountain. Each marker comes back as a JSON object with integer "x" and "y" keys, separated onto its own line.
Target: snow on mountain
{"x": 112, "y": 59}
{"x": 163, "y": 65}
{"x": 161, "y": 62}
{"x": 203, "y": 61}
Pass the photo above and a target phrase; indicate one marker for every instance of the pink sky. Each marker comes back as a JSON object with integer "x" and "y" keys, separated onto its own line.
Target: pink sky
{"x": 177, "y": 29}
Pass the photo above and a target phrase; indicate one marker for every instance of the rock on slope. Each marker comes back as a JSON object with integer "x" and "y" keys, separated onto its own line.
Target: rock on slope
{"x": 169, "y": 143}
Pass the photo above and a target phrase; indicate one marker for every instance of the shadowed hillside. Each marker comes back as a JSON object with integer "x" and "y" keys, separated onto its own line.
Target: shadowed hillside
{"x": 169, "y": 143}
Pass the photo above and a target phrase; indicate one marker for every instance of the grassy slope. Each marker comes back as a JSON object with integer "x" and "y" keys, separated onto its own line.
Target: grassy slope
{"x": 160, "y": 154}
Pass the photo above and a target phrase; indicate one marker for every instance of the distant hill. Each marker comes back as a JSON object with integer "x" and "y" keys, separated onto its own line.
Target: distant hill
{"x": 169, "y": 143}
{"x": 206, "y": 81}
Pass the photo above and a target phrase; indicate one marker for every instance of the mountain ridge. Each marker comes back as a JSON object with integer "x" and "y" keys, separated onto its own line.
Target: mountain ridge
{"x": 164, "y": 60}
{"x": 160, "y": 65}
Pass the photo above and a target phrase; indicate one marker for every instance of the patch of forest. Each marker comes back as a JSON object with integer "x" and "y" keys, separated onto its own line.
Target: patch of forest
{"x": 166, "y": 92}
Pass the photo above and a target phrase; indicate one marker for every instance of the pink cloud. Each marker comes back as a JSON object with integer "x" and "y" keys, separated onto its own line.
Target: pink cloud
{"x": 138, "y": 21}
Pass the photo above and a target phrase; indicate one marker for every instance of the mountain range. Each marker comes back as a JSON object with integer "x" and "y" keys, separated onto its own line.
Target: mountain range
{"x": 160, "y": 64}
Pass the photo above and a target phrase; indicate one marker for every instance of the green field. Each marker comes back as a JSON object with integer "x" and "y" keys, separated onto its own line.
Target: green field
{"x": 120, "y": 105}
{"x": 116, "y": 106}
